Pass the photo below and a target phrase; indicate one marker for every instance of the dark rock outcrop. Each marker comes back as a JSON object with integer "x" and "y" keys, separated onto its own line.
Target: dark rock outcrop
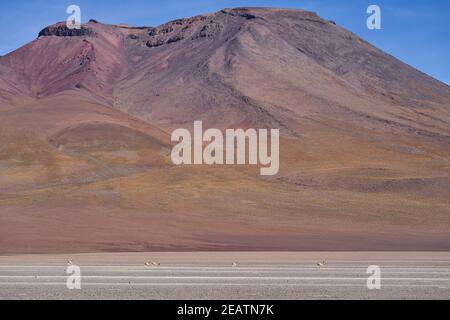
{"x": 239, "y": 12}
{"x": 154, "y": 43}
{"x": 175, "y": 39}
{"x": 63, "y": 31}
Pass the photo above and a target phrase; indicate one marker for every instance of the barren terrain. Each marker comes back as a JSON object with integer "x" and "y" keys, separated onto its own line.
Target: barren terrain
{"x": 86, "y": 117}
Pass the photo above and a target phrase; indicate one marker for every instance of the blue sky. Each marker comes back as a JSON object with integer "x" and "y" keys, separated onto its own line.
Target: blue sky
{"x": 416, "y": 32}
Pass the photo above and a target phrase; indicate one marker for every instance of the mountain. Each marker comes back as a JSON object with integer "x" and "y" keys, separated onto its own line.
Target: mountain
{"x": 86, "y": 117}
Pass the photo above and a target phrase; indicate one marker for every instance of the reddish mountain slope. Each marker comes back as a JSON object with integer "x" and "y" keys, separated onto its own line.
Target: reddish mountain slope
{"x": 85, "y": 118}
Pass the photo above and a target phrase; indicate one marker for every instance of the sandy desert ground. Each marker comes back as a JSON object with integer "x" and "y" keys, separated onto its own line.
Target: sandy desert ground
{"x": 202, "y": 275}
